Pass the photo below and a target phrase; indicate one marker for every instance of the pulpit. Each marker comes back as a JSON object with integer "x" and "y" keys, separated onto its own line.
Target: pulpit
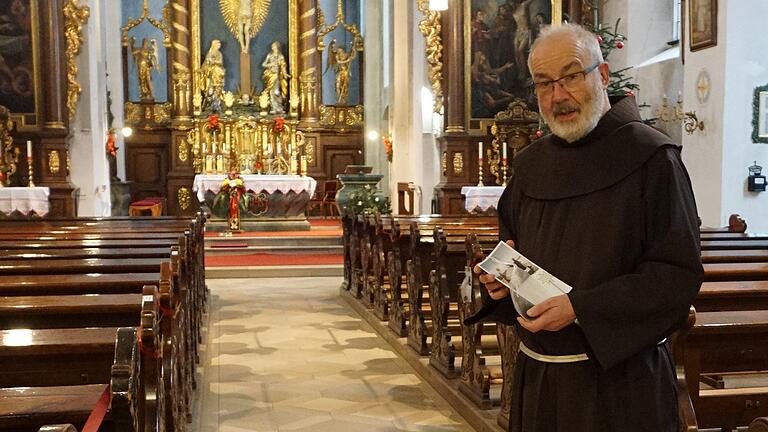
{"x": 270, "y": 202}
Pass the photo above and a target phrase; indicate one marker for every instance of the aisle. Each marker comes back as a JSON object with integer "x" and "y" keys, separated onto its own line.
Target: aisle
{"x": 287, "y": 355}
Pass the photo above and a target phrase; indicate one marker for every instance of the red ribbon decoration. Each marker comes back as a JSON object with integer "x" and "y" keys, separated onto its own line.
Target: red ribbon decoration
{"x": 99, "y": 411}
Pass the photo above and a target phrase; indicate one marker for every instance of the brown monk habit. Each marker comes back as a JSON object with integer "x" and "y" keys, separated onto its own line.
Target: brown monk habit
{"x": 612, "y": 215}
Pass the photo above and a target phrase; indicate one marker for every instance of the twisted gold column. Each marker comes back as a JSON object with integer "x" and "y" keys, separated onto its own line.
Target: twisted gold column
{"x": 309, "y": 62}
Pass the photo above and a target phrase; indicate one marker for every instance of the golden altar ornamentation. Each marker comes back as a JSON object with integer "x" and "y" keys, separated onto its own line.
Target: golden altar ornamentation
{"x": 246, "y": 144}
{"x": 74, "y": 19}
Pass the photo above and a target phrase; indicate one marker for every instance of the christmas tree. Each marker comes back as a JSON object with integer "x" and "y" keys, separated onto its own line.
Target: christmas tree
{"x": 609, "y": 39}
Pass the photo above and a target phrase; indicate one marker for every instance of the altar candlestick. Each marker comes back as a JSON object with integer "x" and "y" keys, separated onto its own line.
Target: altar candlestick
{"x": 29, "y": 163}
{"x": 480, "y": 163}
{"x": 504, "y": 164}
{"x": 303, "y": 165}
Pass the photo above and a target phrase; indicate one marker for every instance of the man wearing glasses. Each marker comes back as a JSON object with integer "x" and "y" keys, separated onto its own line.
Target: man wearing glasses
{"x": 605, "y": 204}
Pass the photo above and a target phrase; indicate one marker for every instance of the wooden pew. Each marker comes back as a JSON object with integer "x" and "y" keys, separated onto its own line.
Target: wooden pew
{"x": 29, "y": 408}
{"x": 726, "y": 342}
{"x": 72, "y": 311}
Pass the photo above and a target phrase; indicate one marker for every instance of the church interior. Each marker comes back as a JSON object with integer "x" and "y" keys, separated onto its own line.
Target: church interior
{"x": 265, "y": 215}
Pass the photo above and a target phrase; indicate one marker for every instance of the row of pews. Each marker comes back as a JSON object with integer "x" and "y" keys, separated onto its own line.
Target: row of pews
{"x": 414, "y": 272}
{"x": 100, "y": 316}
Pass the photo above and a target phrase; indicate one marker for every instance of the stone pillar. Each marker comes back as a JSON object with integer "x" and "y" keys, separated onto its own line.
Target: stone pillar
{"x": 453, "y": 40}
{"x": 181, "y": 60}
{"x": 309, "y": 64}
{"x": 375, "y": 155}
{"x": 90, "y": 170}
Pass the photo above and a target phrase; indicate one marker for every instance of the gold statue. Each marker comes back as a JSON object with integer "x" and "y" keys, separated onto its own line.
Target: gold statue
{"x": 145, "y": 58}
{"x": 339, "y": 59}
{"x": 275, "y": 79}
{"x": 211, "y": 76}
{"x": 244, "y": 18}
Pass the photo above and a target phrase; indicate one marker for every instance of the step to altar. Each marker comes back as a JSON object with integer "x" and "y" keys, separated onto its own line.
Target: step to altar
{"x": 313, "y": 253}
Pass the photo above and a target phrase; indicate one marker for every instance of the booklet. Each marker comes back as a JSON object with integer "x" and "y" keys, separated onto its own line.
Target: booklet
{"x": 528, "y": 284}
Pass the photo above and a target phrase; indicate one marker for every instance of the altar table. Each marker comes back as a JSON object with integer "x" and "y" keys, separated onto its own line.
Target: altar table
{"x": 24, "y": 201}
{"x": 481, "y": 199}
{"x": 279, "y": 202}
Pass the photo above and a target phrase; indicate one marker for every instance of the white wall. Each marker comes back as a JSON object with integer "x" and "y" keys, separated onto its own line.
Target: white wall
{"x": 746, "y": 67}
{"x": 90, "y": 170}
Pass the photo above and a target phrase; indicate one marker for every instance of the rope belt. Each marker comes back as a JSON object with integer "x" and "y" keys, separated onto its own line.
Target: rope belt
{"x": 570, "y": 358}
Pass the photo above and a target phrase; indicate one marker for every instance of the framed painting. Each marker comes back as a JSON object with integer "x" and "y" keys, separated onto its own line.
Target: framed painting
{"x": 760, "y": 115}
{"x": 19, "y": 82}
{"x": 498, "y": 37}
{"x": 702, "y": 16}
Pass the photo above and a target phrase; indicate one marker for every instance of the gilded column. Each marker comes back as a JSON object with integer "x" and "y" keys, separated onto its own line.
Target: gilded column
{"x": 52, "y": 42}
{"x": 182, "y": 59}
{"x": 309, "y": 62}
{"x": 453, "y": 35}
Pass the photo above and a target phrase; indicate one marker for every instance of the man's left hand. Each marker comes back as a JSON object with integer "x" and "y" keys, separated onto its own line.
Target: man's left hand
{"x": 552, "y": 315}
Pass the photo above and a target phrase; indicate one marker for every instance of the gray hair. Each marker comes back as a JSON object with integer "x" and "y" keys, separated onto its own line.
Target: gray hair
{"x": 577, "y": 32}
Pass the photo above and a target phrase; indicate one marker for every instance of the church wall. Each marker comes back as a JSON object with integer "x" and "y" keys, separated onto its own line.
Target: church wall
{"x": 90, "y": 171}
{"x": 746, "y": 67}
{"x": 115, "y": 81}
{"x": 703, "y": 151}
{"x": 375, "y": 32}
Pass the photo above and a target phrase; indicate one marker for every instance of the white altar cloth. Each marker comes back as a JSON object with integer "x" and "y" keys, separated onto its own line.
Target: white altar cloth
{"x": 25, "y": 200}
{"x": 256, "y": 183}
{"x": 482, "y": 197}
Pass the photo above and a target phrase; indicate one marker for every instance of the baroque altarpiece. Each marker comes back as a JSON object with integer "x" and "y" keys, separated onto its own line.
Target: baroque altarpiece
{"x": 250, "y": 86}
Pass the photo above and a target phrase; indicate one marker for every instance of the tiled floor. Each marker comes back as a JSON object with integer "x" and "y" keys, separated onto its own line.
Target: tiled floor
{"x": 287, "y": 355}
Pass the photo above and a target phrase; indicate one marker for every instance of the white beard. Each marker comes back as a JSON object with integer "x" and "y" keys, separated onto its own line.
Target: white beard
{"x": 587, "y": 118}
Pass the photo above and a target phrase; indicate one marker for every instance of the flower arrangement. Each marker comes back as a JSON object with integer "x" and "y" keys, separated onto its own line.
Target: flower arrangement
{"x": 279, "y": 124}
{"x": 111, "y": 148}
{"x": 388, "y": 146}
{"x": 366, "y": 200}
{"x": 213, "y": 123}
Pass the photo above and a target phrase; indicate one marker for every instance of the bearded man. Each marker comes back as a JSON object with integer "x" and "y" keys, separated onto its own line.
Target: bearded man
{"x": 605, "y": 204}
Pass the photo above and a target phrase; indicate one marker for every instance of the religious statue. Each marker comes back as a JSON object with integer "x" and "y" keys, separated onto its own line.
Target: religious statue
{"x": 211, "y": 76}
{"x": 145, "y": 57}
{"x": 275, "y": 78}
{"x": 244, "y": 18}
{"x": 340, "y": 60}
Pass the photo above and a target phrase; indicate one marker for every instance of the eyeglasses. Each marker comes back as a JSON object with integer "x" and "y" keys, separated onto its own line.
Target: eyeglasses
{"x": 569, "y": 82}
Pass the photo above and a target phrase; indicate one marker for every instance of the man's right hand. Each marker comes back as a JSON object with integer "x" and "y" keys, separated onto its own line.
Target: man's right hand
{"x": 495, "y": 289}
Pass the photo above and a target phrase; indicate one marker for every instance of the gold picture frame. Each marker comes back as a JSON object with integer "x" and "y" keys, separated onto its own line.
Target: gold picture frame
{"x": 478, "y": 124}
{"x": 27, "y": 119}
{"x": 702, "y": 20}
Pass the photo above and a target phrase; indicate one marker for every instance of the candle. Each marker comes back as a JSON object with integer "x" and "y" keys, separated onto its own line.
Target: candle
{"x": 480, "y": 151}
{"x": 29, "y": 150}
{"x": 504, "y": 151}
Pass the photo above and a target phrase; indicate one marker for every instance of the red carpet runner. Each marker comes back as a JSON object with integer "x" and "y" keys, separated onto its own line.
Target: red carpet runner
{"x": 263, "y": 259}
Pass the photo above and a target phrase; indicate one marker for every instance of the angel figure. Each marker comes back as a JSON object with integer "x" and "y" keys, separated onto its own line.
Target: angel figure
{"x": 340, "y": 60}
{"x": 244, "y": 19}
{"x": 146, "y": 59}
{"x": 275, "y": 77}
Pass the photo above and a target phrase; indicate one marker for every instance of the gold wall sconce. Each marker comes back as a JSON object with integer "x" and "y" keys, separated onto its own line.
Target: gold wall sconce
{"x": 691, "y": 123}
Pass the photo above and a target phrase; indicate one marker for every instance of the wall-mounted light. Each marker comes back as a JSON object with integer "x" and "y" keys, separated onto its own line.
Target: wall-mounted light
{"x": 438, "y": 5}
{"x": 373, "y": 135}
{"x": 691, "y": 122}
{"x": 126, "y": 131}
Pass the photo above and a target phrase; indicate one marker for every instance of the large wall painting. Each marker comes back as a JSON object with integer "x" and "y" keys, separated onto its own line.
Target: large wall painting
{"x": 499, "y": 34}
{"x": 18, "y": 56}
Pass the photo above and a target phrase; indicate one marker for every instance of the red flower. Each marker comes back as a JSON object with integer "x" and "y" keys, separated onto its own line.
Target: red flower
{"x": 213, "y": 122}
{"x": 111, "y": 149}
{"x": 259, "y": 166}
{"x": 279, "y": 124}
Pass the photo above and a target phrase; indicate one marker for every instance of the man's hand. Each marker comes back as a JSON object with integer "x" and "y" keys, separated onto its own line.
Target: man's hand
{"x": 552, "y": 315}
{"x": 495, "y": 289}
